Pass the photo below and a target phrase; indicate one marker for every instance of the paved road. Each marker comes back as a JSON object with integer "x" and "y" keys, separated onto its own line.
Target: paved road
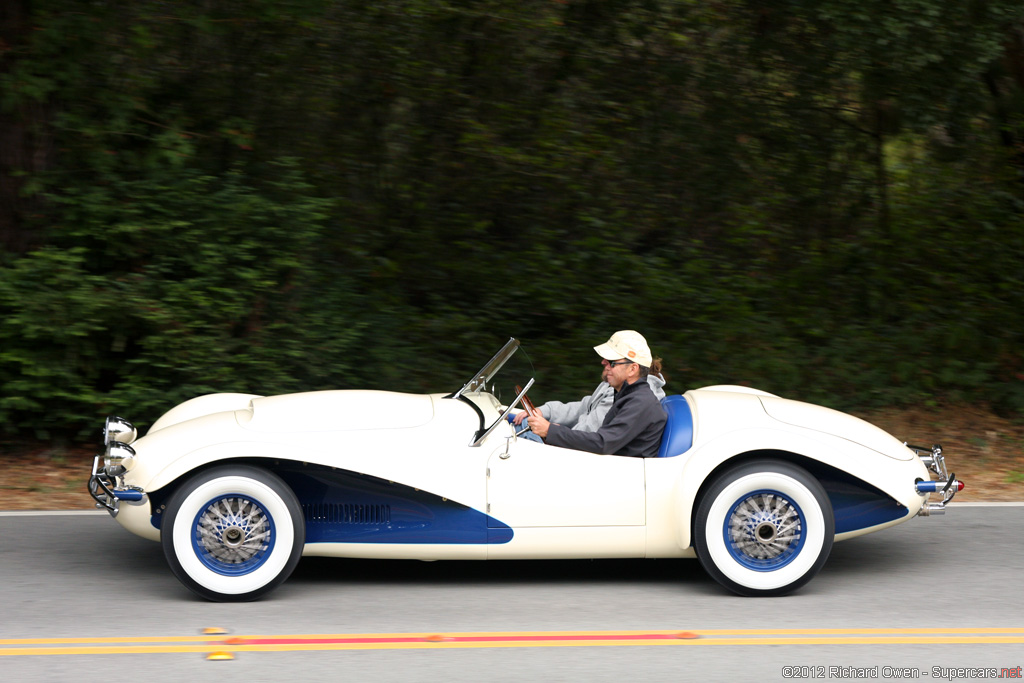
{"x": 82, "y": 577}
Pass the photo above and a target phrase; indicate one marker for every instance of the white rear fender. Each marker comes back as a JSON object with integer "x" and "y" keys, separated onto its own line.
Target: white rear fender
{"x": 832, "y": 422}
{"x": 894, "y": 478}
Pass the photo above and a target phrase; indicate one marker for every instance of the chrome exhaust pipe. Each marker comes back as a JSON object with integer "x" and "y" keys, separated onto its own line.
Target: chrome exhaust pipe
{"x": 932, "y": 509}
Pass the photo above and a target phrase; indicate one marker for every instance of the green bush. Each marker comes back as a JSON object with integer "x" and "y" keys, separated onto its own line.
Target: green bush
{"x": 167, "y": 289}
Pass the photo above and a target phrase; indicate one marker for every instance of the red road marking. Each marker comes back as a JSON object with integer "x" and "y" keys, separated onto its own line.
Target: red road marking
{"x": 455, "y": 639}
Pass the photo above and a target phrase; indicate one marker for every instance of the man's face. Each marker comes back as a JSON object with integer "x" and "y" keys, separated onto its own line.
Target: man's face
{"x": 616, "y": 372}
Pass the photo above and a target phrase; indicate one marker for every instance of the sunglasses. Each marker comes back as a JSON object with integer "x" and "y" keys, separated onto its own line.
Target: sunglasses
{"x": 612, "y": 364}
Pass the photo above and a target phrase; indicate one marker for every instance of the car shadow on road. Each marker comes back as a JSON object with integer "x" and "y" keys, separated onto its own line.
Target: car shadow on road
{"x": 679, "y": 572}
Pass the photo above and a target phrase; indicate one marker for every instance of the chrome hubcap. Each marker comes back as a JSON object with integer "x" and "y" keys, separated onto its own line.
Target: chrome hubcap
{"x": 764, "y": 530}
{"x": 234, "y": 537}
{"x": 232, "y": 531}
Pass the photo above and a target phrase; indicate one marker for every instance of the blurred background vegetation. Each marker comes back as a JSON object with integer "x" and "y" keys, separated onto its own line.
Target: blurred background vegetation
{"x": 820, "y": 198}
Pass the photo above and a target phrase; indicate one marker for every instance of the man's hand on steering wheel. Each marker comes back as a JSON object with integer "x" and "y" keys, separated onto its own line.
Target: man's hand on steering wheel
{"x": 536, "y": 420}
{"x": 538, "y": 425}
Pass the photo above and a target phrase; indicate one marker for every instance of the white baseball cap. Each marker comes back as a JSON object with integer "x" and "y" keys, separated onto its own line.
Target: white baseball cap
{"x": 628, "y": 344}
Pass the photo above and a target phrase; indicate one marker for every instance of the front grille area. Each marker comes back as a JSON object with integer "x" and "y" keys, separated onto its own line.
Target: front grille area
{"x": 346, "y": 513}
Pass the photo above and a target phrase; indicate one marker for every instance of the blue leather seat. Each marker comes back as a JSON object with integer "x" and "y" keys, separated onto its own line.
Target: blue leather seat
{"x": 678, "y": 435}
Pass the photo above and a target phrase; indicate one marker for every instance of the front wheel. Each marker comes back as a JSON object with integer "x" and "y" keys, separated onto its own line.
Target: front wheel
{"x": 233, "y": 533}
{"x": 764, "y": 528}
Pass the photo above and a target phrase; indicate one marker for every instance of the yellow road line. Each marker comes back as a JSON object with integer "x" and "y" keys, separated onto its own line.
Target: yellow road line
{"x": 111, "y": 645}
{"x": 506, "y": 634}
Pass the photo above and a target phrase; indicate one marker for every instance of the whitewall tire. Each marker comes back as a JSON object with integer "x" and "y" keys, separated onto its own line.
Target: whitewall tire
{"x": 233, "y": 533}
{"x": 764, "y": 528}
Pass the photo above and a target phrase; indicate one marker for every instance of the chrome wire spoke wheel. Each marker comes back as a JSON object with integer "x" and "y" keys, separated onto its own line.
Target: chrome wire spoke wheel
{"x": 764, "y": 531}
{"x": 763, "y": 527}
{"x": 233, "y": 534}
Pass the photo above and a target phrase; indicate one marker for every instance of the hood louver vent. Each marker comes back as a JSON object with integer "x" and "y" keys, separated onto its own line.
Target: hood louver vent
{"x": 346, "y": 513}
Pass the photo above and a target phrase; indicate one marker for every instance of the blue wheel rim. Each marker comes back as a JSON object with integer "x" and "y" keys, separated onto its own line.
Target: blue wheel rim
{"x": 764, "y": 530}
{"x": 233, "y": 534}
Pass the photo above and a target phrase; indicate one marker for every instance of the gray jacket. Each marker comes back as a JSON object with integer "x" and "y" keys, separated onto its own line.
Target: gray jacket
{"x": 587, "y": 414}
{"x": 632, "y": 427}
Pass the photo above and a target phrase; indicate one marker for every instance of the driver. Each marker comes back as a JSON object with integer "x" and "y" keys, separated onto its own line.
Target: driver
{"x": 634, "y": 424}
{"x": 587, "y": 414}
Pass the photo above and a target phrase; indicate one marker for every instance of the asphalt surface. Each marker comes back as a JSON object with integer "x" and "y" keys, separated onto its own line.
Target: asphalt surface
{"x": 941, "y": 592}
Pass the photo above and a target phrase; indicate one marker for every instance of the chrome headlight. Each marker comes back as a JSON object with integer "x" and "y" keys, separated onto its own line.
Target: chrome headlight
{"x": 120, "y": 430}
{"x": 119, "y": 459}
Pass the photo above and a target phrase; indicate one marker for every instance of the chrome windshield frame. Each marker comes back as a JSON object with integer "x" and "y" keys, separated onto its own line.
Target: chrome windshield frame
{"x": 490, "y": 369}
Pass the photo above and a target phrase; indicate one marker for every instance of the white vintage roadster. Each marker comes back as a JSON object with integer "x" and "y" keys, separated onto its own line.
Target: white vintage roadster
{"x": 237, "y": 487}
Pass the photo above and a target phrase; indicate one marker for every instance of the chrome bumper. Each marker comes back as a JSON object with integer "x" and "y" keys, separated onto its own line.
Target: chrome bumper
{"x": 106, "y": 484}
{"x": 104, "y": 490}
{"x": 946, "y": 486}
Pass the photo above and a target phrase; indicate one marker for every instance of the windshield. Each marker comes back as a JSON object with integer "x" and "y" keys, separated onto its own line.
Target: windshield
{"x": 479, "y": 380}
{"x": 494, "y": 390}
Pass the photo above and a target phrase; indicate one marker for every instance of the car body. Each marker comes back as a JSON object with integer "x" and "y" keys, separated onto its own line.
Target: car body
{"x": 237, "y": 487}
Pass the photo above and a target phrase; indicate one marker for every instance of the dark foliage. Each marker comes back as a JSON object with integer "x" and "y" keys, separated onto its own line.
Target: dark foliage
{"x": 819, "y": 198}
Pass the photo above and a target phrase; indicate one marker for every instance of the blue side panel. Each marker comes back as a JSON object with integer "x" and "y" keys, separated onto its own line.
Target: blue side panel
{"x": 678, "y": 435}
{"x": 498, "y": 535}
{"x": 345, "y": 507}
{"x": 857, "y": 504}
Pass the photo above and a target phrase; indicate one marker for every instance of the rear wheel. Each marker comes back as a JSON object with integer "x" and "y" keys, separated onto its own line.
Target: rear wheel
{"x": 764, "y": 528}
{"x": 233, "y": 533}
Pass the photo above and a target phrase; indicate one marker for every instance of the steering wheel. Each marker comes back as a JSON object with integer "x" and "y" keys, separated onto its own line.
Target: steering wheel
{"x": 531, "y": 410}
